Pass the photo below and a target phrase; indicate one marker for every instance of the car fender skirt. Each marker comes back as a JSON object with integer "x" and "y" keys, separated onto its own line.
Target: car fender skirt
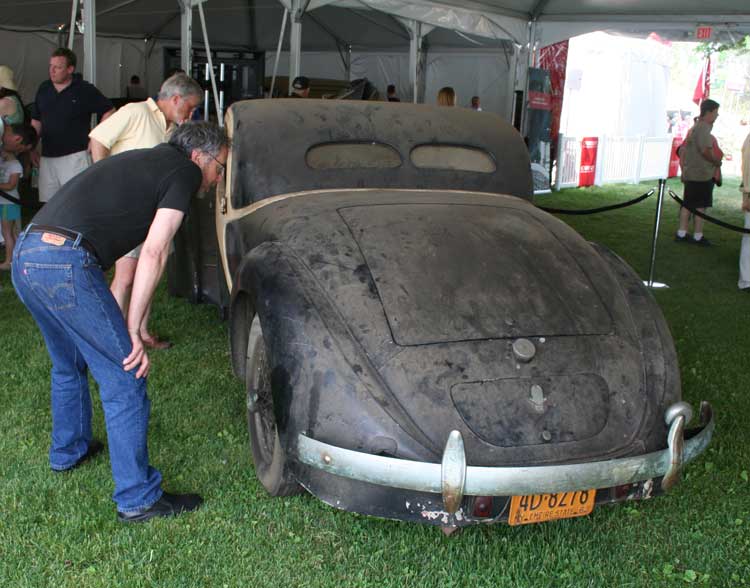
{"x": 453, "y": 478}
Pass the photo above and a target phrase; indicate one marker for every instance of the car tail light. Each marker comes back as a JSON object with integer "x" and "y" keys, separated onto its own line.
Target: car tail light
{"x": 482, "y": 506}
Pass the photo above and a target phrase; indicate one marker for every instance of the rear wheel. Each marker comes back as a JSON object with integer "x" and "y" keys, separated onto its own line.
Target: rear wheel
{"x": 271, "y": 465}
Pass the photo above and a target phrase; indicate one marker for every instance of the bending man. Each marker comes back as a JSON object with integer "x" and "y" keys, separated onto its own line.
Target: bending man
{"x": 142, "y": 196}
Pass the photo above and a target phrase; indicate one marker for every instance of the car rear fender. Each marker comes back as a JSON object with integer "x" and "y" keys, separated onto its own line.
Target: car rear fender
{"x": 322, "y": 379}
{"x": 662, "y": 375}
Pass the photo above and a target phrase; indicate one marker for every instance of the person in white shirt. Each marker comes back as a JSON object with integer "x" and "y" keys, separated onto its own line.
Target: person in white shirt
{"x": 17, "y": 138}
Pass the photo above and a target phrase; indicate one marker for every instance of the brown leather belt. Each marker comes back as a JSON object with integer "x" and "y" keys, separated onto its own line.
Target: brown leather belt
{"x": 72, "y": 235}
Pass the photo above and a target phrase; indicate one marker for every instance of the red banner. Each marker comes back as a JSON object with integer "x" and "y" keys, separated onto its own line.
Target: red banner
{"x": 587, "y": 174}
{"x": 703, "y": 85}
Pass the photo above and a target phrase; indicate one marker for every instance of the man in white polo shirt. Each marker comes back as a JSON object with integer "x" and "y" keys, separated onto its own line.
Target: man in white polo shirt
{"x": 141, "y": 125}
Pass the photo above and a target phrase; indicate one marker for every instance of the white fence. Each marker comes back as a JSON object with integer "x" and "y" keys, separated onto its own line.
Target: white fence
{"x": 568, "y": 162}
{"x": 618, "y": 160}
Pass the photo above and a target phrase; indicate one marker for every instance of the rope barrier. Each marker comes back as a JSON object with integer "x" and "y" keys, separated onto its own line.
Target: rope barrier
{"x": 18, "y": 201}
{"x": 708, "y": 218}
{"x": 595, "y": 210}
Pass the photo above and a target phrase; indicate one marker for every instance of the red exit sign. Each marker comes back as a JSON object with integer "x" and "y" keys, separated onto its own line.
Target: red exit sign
{"x": 703, "y": 33}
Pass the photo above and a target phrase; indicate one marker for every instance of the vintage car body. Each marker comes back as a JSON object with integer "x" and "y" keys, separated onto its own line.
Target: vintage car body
{"x": 420, "y": 342}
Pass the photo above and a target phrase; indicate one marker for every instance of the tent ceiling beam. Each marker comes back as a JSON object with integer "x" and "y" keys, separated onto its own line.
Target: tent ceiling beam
{"x": 400, "y": 32}
{"x": 116, "y": 7}
{"x": 301, "y": 9}
{"x": 339, "y": 41}
{"x": 157, "y": 31}
{"x": 538, "y": 9}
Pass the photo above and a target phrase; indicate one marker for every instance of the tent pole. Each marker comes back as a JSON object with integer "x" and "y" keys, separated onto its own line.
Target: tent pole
{"x": 530, "y": 64}
{"x": 186, "y": 35}
{"x": 72, "y": 32}
{"x": 415, "y": 39}
{"x": 295, "y": 41}
{"x": 512, "y": 92}
{"x": 89, "y": 41}
{"x": 210, "y": 65}
{"x": 278, "y": 50}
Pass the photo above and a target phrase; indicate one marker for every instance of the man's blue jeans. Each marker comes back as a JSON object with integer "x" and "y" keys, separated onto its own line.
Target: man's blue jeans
{"x": 64, "y": 288}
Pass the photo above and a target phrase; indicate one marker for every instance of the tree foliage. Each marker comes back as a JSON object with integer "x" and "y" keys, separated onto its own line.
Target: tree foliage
{"x": 736, "y": 46}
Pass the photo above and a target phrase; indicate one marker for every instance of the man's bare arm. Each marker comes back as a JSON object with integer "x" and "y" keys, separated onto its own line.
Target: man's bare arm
{"x": 98, "y": 151}
{"x": 35, "y": 154}
{"x": 708, "y": 155}
{"x": 150, "y": 268}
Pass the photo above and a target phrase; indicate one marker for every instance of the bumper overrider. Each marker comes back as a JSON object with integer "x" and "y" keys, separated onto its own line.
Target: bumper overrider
{"x": 453, "y": 479}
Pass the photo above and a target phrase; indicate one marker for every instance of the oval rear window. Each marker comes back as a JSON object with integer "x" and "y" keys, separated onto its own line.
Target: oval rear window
{"x": 453, "y": 157}
{"x": 352, "y": 155}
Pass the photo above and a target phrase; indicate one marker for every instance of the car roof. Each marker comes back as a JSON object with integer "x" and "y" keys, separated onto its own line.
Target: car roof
{"x": 273, "y": 140}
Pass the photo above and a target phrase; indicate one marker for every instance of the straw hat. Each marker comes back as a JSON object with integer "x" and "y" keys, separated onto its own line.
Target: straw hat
{"x": 6, "y": 78}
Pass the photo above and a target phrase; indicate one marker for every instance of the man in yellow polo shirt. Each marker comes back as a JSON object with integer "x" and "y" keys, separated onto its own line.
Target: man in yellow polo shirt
{"x": 141, "y": 125}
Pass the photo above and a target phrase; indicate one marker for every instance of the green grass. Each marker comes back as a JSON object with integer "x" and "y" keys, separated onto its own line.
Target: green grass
{"x": 61, "y": 530}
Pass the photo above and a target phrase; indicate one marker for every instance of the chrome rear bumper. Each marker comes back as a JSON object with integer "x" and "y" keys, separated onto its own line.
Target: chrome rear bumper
{"x": 453, "y": 478}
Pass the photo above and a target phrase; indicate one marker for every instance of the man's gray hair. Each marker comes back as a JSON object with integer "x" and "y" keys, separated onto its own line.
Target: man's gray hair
{"x": 200, "y": 135}
{"x": 181, "y": 85}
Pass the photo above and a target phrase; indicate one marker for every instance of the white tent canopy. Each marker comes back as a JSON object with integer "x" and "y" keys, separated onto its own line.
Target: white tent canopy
{"x": 252, "y": 23}
{"x": 484, "y": 42}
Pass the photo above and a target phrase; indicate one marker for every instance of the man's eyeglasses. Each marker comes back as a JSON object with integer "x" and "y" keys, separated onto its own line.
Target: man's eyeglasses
{"x": 222, "y": 166}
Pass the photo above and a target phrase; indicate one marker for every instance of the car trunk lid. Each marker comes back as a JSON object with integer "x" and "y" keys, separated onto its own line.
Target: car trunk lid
{"x": 462, "y": 272}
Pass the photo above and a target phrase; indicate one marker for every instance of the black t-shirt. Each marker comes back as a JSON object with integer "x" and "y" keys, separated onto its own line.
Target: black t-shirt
{"x": 66, "y": 115}
{"x": 113, "y": 202}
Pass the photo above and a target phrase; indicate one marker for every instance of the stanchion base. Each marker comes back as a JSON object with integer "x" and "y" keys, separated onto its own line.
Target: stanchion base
{"x": 655, "y": 285}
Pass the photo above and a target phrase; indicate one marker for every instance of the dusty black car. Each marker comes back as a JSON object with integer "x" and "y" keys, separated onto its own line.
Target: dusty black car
{"x": 419, "y": 342}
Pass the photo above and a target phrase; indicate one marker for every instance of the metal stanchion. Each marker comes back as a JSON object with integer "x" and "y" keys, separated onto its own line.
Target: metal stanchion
{"x": 660, "y": 200}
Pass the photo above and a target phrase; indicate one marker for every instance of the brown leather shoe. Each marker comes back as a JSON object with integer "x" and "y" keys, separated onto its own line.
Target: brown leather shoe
{"x": 154, "y": 342}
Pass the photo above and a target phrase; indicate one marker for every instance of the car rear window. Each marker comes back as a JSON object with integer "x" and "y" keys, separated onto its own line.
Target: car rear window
{"x": 351, "y": 155}
{"x": 453, "y": 157}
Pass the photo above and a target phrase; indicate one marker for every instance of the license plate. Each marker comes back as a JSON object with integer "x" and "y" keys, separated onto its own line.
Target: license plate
{"x": 538, "y": 508}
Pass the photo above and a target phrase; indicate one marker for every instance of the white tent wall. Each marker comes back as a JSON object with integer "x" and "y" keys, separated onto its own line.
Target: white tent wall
{"x": 315, "y": 64}
{"x": 120, "y": 58}
{"x": 615, "y": 86}
{"x": 383, "y": 69}
{"x": 472, "y": 73}
{"x": 486, "y": 74}
{"x": 27, "y": 53}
